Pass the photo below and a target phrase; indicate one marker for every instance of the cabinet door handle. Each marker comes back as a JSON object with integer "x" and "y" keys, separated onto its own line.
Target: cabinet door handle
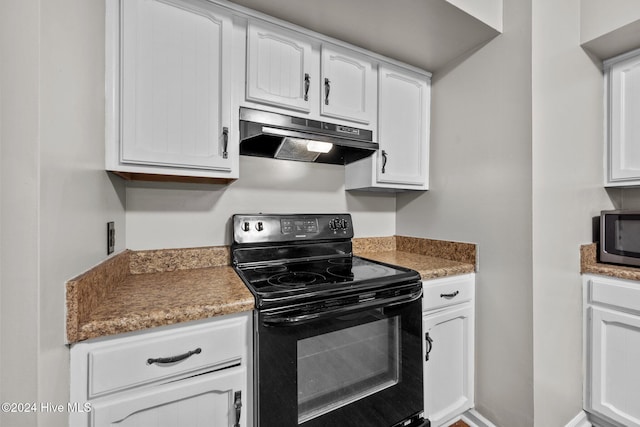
{"x": 307, "y": 83}
{"x": 237, "y": 404}
{"x": 225, "y": 142}
{"x": 429, "y": 346}
{"x": 174, "y": 359}
{"x": 451, "y": 295}
{"x": 327, "y": 89}
{"x": 384, "y": 160}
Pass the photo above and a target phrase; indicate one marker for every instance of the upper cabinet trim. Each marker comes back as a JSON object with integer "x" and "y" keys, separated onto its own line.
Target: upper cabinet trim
{"x": 246, "y": 13}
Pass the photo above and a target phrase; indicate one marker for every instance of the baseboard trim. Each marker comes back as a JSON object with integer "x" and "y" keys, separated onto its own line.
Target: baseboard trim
{"x": 579, "y": 420}
{"x": 474, "y": 419}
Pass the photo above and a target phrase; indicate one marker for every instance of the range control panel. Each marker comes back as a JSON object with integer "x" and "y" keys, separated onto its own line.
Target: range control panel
{"x": 263, "y": 228}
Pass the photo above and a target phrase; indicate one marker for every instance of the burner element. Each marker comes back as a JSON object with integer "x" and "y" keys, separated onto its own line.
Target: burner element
{"x": 296, "y": 279}
{"x": 343, "y": 271}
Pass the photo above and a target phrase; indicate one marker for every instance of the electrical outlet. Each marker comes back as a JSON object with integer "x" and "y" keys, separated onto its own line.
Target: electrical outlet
{"x": 111, "y": 237}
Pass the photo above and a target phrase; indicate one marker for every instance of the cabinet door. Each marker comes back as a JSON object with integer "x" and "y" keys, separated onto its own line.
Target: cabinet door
{"x": 280, "y": 69}
{"x": 624, "y": 127}
{"x": 206, "y": 400}
{"x": 175, "y": 91}
{"x": 348, "y": 86}
{"x": 613, "y": 365}
{"x": 448, "y": 366}
{"x": 403, "y": 120}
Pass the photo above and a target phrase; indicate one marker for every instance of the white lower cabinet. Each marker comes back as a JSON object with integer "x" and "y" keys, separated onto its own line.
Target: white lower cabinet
{"x": 184, "y": 375}
{"x": 206, "y": 400}
{"x": 448, "y": 328}
{"x": 612, "y": 351}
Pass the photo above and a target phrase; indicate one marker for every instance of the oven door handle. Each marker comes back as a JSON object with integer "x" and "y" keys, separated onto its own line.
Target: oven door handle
{"x": 282, "y": 319}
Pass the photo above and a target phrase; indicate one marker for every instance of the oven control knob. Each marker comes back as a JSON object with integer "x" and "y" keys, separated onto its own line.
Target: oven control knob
{"x": 259, "y": 226}
{"x": 245, "y": 226}
{"x": 344, "y": 224}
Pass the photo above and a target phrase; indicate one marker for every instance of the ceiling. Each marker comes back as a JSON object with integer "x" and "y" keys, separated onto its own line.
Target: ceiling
{"x": 425, "y": 33}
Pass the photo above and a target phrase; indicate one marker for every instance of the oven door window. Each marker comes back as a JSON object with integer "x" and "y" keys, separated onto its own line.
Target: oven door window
{"x": 340, "y": 367}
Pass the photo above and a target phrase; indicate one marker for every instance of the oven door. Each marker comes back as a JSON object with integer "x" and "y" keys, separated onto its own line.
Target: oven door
{"x": 354, "y": 366}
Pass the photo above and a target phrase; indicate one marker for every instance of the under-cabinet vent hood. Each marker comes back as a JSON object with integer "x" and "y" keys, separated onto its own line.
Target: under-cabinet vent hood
{"x": 279, "y": 136}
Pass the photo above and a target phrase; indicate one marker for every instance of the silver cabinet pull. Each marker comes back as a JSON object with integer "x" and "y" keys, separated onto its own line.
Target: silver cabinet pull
{"x": 225, "y": 142}
{"x": 237, "y": 404}
{"x": 384, "y": 160}
{"x": 327, "y": 89}
{"x": 307, "y": 83}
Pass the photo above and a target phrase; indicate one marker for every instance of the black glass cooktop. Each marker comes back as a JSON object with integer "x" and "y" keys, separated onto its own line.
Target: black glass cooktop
{"x": 298, "y": 279}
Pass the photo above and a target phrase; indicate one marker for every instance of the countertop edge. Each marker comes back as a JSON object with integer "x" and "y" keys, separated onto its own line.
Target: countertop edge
{"x": 589, "y": 264}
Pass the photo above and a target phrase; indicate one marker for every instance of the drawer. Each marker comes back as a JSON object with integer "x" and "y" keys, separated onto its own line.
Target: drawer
{"x": 619, "y": 293}
{"x": 447, "y": 291}
{"x": 122, "y": 363}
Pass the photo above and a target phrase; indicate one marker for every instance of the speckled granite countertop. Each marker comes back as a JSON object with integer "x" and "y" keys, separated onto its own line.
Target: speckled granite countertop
{"x": 137, "y": 290}
{"x": 589, "y": 265}
{"x": 140, "y": 290}
{"x": 430, "y": 258}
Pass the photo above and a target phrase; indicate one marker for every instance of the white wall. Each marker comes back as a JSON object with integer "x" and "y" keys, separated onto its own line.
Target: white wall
{"x": 567, "y": 191}
{"x": 481, "y": 192}
{"x": 191, "y": 215}
{"x": 56, "y": 197}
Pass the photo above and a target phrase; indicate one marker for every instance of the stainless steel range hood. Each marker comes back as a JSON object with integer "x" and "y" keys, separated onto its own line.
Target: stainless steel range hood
{"x": 279, "y": 136}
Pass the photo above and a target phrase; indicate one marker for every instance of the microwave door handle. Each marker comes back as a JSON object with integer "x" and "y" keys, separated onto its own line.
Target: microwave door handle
{"x": 282, "y": 319}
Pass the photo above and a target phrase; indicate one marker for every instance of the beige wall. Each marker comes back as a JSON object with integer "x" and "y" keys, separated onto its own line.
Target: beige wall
{"x": 599, "y": 17}
{"x": 179, "y": 215}
{"x": 19, "y": 40}
{"x": 567, "y": 191}
{"x": 481, "y": 193}
{"x": 56, "y": 197}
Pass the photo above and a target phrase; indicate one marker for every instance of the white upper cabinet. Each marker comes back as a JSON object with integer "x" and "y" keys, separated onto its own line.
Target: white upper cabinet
{"x": 402, "y": 162}
{"x": 300, "y": 74}
{"x": 623, "y": 142}
{"x": 403, "y": 127}
{"x": 168, "y": 89}
{"x": 280, "y": 67}
{"x": 348, "y": 85}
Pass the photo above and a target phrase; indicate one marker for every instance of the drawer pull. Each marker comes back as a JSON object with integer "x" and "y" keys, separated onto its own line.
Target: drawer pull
{"x": 174, "y": 359}
{"x": 451, "y": 295}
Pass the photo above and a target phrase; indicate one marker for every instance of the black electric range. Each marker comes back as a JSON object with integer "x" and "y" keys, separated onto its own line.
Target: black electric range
{"x": 338, "y": 337}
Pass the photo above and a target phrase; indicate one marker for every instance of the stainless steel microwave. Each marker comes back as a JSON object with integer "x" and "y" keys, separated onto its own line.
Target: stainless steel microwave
{"x": 620, "y": 237}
